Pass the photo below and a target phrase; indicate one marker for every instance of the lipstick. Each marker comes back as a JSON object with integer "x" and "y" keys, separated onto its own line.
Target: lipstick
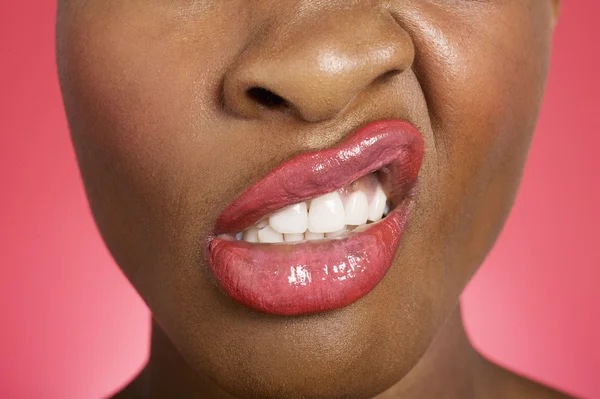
{"x": 306, "y": 277}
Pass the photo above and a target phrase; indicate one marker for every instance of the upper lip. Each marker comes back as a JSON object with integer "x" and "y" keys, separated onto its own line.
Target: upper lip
{"x": 379, "y": 145}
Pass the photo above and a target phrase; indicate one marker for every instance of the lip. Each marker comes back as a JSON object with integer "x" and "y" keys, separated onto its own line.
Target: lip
{"x": 318, "y": 276}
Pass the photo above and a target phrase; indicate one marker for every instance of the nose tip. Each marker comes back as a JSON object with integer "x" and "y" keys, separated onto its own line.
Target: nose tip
{"x": 315, "y": 72}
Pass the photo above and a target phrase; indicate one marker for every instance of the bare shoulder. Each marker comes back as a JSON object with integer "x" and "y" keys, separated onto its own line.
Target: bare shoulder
{"x": 512, "y": 385}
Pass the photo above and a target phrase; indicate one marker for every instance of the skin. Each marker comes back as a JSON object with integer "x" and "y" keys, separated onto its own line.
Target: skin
{"x": 166, "y": 137}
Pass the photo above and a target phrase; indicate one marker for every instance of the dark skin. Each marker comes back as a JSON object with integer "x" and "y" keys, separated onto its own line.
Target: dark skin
{"x": 166, "y": 137}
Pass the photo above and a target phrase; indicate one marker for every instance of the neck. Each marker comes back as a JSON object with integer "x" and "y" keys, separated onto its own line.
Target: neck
{"x": 449, "y": 369}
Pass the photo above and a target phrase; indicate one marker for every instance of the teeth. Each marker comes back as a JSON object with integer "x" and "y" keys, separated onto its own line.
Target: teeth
{"x": 251, "y": 235}
{"x": 268, "y": 235}
{"x": 326, "y": 213}
{"x": 293, "y": 237}
{"x": 356, "y": 208}
{"x": 290, "y": 220}
{"x": 310, "y": 236}
{"x": 361, "y": 228}
{"x": 333, "y": 215}
{"x": 338, "y": 233}
{"x": 262, "y": 224}
{"x": 386, "y": 210}
{"x": 377, "y": 205}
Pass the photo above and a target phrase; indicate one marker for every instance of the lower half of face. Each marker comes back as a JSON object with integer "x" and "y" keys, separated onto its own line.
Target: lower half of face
{"x": 301, "y": 193}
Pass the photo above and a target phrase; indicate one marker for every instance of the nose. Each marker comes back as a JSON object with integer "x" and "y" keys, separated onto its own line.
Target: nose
{"x": 315, "y": 66}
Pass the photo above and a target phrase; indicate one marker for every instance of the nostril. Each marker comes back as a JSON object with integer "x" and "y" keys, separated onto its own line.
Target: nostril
{"x": 388, "y": 75}
{"x": 266, "y": 97}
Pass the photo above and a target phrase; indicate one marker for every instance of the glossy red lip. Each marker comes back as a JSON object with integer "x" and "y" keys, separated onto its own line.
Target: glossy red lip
{"x": 317, "y": 276}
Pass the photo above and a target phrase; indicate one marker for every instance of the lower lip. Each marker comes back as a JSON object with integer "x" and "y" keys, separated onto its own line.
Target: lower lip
{"x": 308, "y": 277}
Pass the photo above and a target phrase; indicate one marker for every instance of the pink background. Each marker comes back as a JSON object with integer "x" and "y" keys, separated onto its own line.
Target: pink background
{"x": 72, "y": 327}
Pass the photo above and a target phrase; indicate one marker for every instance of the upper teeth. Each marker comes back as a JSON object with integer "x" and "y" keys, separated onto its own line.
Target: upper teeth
{"x": 291, "y": 219}
{"x": 377, "y": 204}
{"x": 357, "y": 208}
{"x": 328, "y": 216}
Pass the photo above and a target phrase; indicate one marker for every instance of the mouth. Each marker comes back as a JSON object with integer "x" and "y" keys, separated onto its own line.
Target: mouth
{"x": 321, "y": 230}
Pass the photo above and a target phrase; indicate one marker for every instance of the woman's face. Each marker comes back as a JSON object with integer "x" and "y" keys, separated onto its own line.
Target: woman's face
{"x": 177, "y": 107}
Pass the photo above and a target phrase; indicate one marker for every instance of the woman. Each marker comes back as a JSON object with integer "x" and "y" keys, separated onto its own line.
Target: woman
{"x": 300, "y": 190}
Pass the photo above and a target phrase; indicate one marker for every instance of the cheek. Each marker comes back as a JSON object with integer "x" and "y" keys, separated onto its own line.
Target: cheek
{"x": 134, "y": 119}
{"x": 142, "y": 92}
{"x": 483, "y": 79}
